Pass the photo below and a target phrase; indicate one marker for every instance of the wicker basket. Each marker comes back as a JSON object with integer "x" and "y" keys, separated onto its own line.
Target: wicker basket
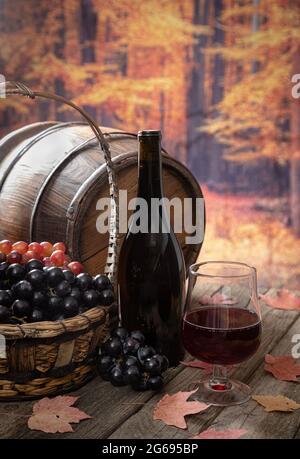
{"x": 48, "y": 358}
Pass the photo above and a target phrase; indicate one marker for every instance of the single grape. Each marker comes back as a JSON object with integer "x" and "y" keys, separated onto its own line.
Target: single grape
{"x": 36, "y": 316}
{"x": 57, "y": 258}
{"x": 29, "y": 256}
{"x": 54, "y": 276}
{"x": 76, "y": 267}
{"x": 60, "y": 246}
{"x": 20, "y": 247}
{"x": 76, "y": 293}
{"x": 3, "y": 267}
{"x": 113, "y": 347}
{"x": 2, "y": 257}
{"x": 55, "y": 306}
{"x": 131, "y": 346}
{"x": 47, "y": 262}
{"x": 63, "y": 288}
{"x": 131, "y": 374}
{"x": 71, "y": 306}
{"x": 36, "y": 248}
{"x": 40, "y": 300}
{"x": 138, "y": 335}
{"x": 47, "y": 248}
{"x": 120, "y": 332}
{"x": 116, "y": 376}
{"x": 141, "y": 384}
{"x": 69, "y": 276}
{"x": 164, "y": 362}
{"x": 145, "y": 352}
{"x": 129, "y": 361}
{"x": 152, "y": 366}
{"x": 21, "y": 308}
{"x": 23, "y": 290}
{"x": 105, "y": 363}
{"x": 5, "y": 246}
{"x": 90, "y": 298}
{"x": 84, "y": 281}
{"x": 34, "y": 264}
{"x": 155, "y": 382}
{"x": 5, "y": 314}
{"x": 14, "y": 257}
{"x": 37, "y": 278}
{"x": 6, "y": 298}
{"x": 106, "y": 297}
{"x": 102, "y": 282}
{"x": 15, "y": 272}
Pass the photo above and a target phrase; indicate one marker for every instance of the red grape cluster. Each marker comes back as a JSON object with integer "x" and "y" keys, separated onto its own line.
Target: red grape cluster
{"x": 126, "y": 359}
{"x": 34, "y": 290}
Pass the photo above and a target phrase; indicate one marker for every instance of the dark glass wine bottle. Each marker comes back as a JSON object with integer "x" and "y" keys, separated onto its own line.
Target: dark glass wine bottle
{"x": 151, "y": 274}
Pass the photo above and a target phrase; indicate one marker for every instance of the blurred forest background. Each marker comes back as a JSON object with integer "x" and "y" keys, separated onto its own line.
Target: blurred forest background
{"x": 213, "y": 75}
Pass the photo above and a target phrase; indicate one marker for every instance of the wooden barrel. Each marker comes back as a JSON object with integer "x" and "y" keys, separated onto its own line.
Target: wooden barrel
{"x": 53, "y": 174}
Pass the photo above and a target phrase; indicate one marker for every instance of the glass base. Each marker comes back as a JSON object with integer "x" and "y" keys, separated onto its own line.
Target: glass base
{"x": 221, "y": 393}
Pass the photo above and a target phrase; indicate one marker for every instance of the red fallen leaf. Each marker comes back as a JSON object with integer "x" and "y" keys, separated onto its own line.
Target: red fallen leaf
{"x": 220, "y": 434}
{"x": 218, "y": 298}
{"x": 172, "y": 409}
{"x": 282, "y": 367}
{"x": 284, "y": 299}
{"x": 53, "y": 415}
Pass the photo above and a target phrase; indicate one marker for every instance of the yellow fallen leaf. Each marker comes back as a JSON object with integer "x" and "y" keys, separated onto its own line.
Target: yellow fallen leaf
{"x": 276, "y": 402}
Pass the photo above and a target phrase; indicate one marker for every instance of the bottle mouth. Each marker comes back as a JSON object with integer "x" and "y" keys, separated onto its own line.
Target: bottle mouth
{"x": 149, "y": 133}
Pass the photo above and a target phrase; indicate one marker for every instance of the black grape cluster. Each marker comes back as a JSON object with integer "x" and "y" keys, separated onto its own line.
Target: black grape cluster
{"x": 126, "y": 359}
{"x": 32, "y": 292}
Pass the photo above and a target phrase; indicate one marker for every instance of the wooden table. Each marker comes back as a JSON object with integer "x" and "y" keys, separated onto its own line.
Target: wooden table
{"x": 120, "y": 413}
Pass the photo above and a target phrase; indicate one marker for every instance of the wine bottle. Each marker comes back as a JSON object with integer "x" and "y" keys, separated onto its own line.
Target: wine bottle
{"x": 151, "y": 274}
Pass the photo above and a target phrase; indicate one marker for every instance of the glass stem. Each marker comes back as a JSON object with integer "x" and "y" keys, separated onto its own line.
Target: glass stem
{"x": 219, "y": 379}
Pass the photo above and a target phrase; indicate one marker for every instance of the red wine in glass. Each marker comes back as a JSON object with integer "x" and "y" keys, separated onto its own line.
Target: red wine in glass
{"x": 221, "y": 335}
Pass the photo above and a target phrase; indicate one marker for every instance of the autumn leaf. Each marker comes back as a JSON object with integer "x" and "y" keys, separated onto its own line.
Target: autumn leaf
{"x": 282, "y": 367}
{"x": 53, "y": 415}
{"x": 276, "y": 402}
{"x": 228, "y": 434}
{"x": 284, "y": 299}
{"x": 218, "y": 298}
{"x": 172, "y": 409}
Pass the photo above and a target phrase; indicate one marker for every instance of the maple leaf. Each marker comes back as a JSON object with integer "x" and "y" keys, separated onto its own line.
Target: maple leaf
{"x": 282, "y": 367}
{"x": 284, "y": 299}
{"x": 53, "y": 415}
{"x": 220, "y": 434}
{"x": 276, "y": 402}
{"x": 172, "y": 409}
{"x": 218, "y": 298}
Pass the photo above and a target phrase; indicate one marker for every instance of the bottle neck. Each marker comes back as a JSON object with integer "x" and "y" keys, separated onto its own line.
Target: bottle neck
{"x": 149, "y": 168}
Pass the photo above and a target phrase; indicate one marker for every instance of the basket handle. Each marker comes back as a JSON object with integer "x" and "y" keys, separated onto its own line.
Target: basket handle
{"x": 11, "y": 88}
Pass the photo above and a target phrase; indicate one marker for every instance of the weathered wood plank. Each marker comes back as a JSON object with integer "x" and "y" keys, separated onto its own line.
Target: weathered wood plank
{"x": 141, "y": 425}
{"x": 109, "y": 406}
{"x": 252, "y": 416}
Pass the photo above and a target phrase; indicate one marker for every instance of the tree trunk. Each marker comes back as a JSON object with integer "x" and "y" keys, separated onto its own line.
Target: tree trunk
{"x": 196, "y": 96}
{"x": 295, "y": 160}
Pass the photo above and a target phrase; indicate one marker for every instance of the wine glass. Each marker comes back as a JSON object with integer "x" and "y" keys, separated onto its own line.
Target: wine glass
{"x": 221, "y": 326}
